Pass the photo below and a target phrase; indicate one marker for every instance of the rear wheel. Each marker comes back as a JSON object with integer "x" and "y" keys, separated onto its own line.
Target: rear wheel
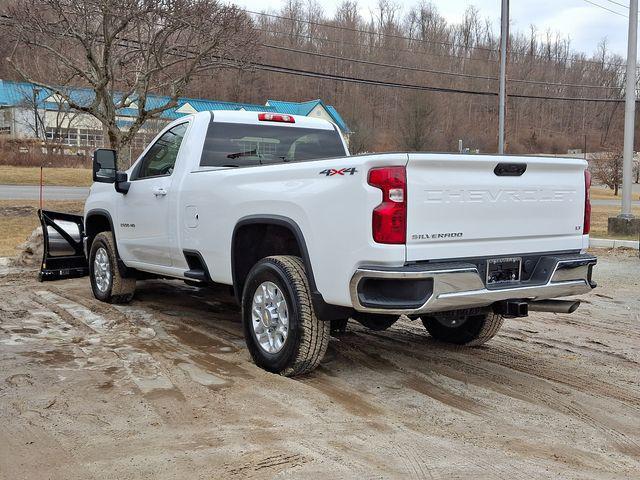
{"x": 282, "y": 332}
{"x": 467, "y": 329}
{"x": 107, "y": 282}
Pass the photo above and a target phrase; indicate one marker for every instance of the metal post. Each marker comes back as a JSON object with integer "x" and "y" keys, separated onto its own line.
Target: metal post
{"x": 504, "y": 36}
{"x": 629, "y": 111}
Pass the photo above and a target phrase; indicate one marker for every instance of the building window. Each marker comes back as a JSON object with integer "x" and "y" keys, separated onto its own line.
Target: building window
{"x": 65, "y": 136}
{"x": 90, "y": 138}
{"x": 76, "y": 137}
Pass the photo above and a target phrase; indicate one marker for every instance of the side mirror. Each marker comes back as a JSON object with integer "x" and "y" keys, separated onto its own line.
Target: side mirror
{"x": 121, "y": 183}
{"x": 104, "y": 165}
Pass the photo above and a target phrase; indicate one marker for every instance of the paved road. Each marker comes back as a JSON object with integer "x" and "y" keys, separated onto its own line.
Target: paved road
{"x": 32, "y": 192}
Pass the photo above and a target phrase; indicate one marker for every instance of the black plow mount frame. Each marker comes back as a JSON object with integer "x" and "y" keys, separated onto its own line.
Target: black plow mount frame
{"x": 63, "y": 255}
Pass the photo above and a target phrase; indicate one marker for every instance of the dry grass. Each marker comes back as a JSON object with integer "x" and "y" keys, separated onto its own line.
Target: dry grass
{"x": 600, "y": 216}
{"x": 19, "y": 218}
{"x": 604, "y": 193}
{"x": 68, "y": 177}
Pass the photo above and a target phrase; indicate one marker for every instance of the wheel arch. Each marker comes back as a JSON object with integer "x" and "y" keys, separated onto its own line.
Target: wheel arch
{"x": 99, "y": 220}
{"x": 248, "y": 227}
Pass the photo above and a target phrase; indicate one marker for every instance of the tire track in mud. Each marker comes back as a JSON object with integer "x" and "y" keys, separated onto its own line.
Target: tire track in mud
{"x": 414, "y": 465}
{"x": 187, "y": 346}
{"x": 577, "y": 349}
{"x": 505, "y": 385}
{"x": 514, "y": 358}
{"x": 519, "y": 359}
{"x": 412, "y": 379}
{"x": 261, "y": 465}
{"x": 143, "y": 370}
{"x": 538, "y": 389}
{"x": 341, "y": 393}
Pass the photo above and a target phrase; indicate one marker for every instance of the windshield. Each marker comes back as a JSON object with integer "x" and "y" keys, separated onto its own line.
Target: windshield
{"x": 239, "y": 145}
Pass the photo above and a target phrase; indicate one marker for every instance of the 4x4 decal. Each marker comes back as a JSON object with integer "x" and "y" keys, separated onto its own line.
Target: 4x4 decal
{"x": 342, "y": 171}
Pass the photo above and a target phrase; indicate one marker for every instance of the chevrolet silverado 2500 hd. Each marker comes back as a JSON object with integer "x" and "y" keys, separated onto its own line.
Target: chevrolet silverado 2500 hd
{"x": 308, "y": 236}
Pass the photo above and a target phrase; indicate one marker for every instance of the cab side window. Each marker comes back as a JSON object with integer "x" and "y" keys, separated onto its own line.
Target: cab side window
{"x": 161, "y": 157}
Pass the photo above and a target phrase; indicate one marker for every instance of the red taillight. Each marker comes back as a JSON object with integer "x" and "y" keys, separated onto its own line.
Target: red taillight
{"x": 586, "y": 227}
{"x": 275, "y": 117}
{"x": 390, "y": 217}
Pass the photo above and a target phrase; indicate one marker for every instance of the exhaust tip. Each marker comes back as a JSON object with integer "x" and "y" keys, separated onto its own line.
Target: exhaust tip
{"x": 555, "y": 306}
{"x": 574, "y": 306}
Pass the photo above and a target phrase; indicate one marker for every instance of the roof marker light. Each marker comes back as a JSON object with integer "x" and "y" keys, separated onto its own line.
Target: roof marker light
{"x": 275, "y": 117}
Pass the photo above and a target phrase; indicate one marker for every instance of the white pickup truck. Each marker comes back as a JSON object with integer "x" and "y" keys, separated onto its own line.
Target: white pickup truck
{"x": 308, "y": 236}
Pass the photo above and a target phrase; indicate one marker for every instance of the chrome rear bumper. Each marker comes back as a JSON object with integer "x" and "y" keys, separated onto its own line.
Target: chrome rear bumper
{"x": 459, "y": 285}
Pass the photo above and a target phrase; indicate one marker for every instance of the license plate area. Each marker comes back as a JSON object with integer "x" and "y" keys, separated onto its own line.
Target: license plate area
{"x": 503, "y": 270}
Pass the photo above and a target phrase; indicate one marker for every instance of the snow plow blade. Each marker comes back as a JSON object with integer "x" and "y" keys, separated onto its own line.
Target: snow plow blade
{"x": 63, "y": 255}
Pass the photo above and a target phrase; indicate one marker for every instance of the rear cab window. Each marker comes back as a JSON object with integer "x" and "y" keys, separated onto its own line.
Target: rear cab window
{"x": 243, "y": 145}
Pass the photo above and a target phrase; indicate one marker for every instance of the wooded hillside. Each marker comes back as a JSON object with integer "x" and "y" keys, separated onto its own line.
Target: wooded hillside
{"x": 402, "y": 79}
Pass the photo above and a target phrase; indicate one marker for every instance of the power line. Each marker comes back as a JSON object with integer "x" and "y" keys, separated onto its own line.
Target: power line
{"x": 365, "y": 81}
{"x": 605, "y": 8}
{"x": 437, "y": 72}
{"x": 370, "y": 46}
{"x": 408, "y": 86}
{"x": 619, "y": 4}
{"x": 417, "y": 52}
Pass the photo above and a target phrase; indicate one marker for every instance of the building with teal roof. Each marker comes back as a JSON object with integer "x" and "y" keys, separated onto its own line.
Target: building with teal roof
{"x": 22, "y": 103}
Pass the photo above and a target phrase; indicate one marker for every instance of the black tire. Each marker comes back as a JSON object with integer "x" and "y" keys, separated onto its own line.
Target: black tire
{"x": 375, "y": 322}
{"x": 307, "y": 336}
{"x": 470, "y": 331}
{"x": 118, "y": 289}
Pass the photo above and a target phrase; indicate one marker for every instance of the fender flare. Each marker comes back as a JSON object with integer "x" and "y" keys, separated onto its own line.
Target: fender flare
{"x": 323, "y": 310}
{"x": 101, "y": 212}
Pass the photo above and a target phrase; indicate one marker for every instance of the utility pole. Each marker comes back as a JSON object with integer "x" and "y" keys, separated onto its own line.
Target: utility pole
{"x": 629, "y": 111}
{"x": 504, "y": 37}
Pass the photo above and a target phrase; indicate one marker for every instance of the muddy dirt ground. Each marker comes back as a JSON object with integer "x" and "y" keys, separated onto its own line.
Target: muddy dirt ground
{"x": 164, "y": 388}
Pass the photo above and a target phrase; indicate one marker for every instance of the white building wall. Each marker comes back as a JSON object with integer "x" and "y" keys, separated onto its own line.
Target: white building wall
{"x": 23, "y": 122}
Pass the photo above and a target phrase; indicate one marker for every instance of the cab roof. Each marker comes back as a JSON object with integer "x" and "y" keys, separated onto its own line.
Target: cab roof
{"x": 252, "y": 118}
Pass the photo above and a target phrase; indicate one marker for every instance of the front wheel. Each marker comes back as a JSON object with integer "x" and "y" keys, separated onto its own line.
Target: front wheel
{"x": 469, "y": 330}
{"x": 107, "y": 282}
{"x": 282, "y": 332}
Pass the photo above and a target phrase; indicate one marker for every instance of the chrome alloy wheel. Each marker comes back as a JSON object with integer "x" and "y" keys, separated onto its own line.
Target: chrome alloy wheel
{"x": 270, "y": 317}
{"x": 102, "y": 270}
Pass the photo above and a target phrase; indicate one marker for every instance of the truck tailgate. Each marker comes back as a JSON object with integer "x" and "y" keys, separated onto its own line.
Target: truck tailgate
{"x": 458, "y": 206}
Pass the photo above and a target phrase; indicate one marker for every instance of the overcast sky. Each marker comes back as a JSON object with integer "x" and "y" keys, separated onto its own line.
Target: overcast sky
{"x": 584, "y": 23}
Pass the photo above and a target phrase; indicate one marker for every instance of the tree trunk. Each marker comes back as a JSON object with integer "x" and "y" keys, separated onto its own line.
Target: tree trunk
{"x": 115, "y": 142}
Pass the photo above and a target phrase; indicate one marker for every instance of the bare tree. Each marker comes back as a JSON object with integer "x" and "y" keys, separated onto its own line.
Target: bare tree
{"x": 48, "y": 122}
{"x": 416, "y": 123}
{"x": 361, "y": 137}
{"x": 135, "y": 47}
{"x": 606, "y": 168}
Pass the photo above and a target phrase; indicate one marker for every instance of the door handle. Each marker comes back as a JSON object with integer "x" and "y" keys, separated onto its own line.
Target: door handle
{"x": 159, "y": 192}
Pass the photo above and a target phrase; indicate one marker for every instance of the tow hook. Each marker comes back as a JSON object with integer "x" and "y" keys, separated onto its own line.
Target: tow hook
{"x": 511, "y": 308}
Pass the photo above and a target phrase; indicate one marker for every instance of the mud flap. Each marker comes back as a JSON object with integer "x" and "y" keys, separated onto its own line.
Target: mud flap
{"x": 63, "y": 255}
